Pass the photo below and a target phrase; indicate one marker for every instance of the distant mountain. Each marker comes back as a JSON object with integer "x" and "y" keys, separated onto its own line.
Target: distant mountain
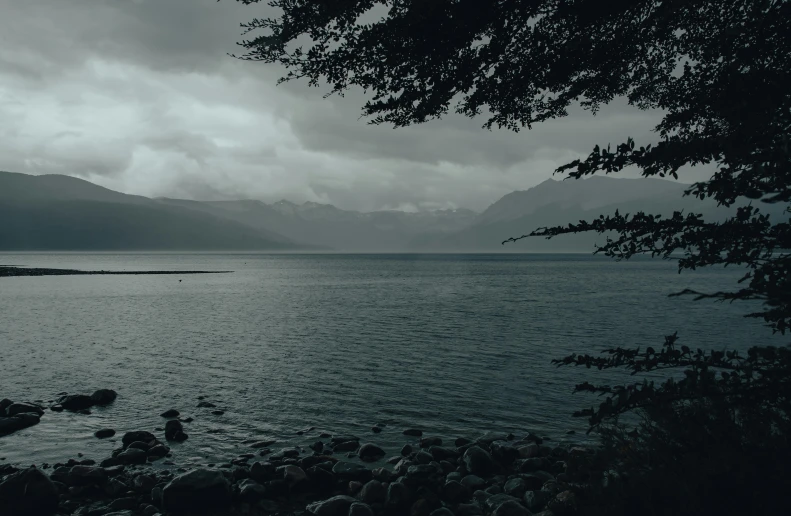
{"x": 64, "y": 213}
{"x": 342, "y": 230}
{"x": 60, "y": 213}
{"x": 554, "y": 203}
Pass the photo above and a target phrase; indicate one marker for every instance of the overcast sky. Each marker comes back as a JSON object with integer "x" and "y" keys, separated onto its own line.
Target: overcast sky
{"x": 140, "y": 96}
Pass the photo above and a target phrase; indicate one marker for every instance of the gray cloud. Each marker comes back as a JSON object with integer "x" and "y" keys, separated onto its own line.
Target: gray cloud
{"x": 140, "y": 96}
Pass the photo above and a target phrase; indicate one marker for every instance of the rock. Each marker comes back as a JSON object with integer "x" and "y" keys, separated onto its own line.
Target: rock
{"x": 510, "y": 508}
{"x": 564, "y": 504}
{"x": 462, "y": 441}
{"x": 413, "y": 432}
{"x": 28, "y": 492}
{"x": 373, "y": 492}
{"x": 120, "y": 513}
{"x": 423, "y": 457}
{"x": 360, "y": 509}
{"x": 174, "y": 431}
{"x": 218, "y": 412}
{"x": 23, "y": 408}
{"x": 115, "y": 488}
{"x": 442, "y": 511}
{"x": 494, "y": 489}
{"x": 131, "y": 456}
{"x": 144, "y": 483}
{"x": 104, "y": 433}
{"x": 479, "y": 462}
{"x": 370, "y": 452}
{"x": 383, "y": 474}
{"x": 206, "y": 404}
{"x": 406, "y": 450}
{"x": 170, "y": 413}
{"x": 131, "y": 437}
{"x": 158, "y": 451}
{"x": 335, "y": 506}
{"x": 534, "y": 464}
{"x": 86, "y": 475}
{"x": 490, "y": 437}
{"x": 428, "y": 442}
{"x": 495, "y": 501}
{"x": 56, "y": 408}
{"x": 103, "y": 397}
{"x": 439, "y": 453}
{"x": 469, "y": 509}
{"x": 250, "y": 490}
{"x": 351, "y": 471}
{"x": 515, "y": 487}
{"x": 198, "y": 489}
{"x": 346, "y": 446}
{"x": 536, "y": 479}
{"x": 123, "y": 504}
{"x": 454, "y": 492}
{"x": 5, "y": 403}
{"x": 421, "y": 472}
{"x": 294, "y": 475}
{"x": 343, "y": 438}
{"x": 11, "y": 424}
{"x": 528, "y": 451}
{"x": 317, "y": 447}
{"x": 537, "y": 500}
{"x": 76, "y": 402}
{"x": 397, "y": 495}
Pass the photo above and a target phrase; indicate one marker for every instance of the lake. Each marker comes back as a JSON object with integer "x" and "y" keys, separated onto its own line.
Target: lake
{"x": 453, "y": 344}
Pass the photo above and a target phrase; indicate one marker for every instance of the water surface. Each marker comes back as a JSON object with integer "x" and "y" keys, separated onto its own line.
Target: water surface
{"x": 452, "y": 344}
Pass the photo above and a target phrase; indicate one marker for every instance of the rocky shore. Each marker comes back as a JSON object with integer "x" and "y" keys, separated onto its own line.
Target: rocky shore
{"x": 13, "y": 271}
{"x": 493, "y": 474}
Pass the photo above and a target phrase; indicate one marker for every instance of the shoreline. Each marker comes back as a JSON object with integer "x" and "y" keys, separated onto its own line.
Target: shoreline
{"x": 12, "y": 271}
{"x": 493, "y": 474}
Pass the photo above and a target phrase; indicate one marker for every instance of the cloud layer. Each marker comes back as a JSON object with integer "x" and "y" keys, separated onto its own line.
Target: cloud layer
{"x": 140, "y": 96}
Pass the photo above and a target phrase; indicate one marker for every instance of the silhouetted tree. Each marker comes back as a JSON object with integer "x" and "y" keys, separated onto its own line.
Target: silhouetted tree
{"x": 719, "y": 71}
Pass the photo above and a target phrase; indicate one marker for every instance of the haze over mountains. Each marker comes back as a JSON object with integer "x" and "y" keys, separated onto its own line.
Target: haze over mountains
{"x": 54, "y": 212}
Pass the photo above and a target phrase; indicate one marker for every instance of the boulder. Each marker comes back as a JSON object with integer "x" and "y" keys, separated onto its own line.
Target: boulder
{"x": 398, "y": 495}
{"x": 131, "y": 437}
{"x": 494, "y": 501}
{"x": 428, "y": 442}
{"x": 85, "y": 476}
{"x": 103, "y": 397}
{"x": 515, "y": 487}
{"x": 104, "y": 433}
{"x": 510, "y": 508}
{"x": 11, "y": 424}
{"x": 170, "y": 413}
{"x": 174, "y": 431}
{"x": 76, "y": 402}
{"x": 414, "y": 432}
{"x": 346, "y": 446}
{"x": 479, "y": 462}
{"x": 469, "y": 509}
{"x": 131, "y": 456}
{"x": 28, "y": 492}
{"x": 293, "y": 475}
{"x": 335, "y": 506}
{"x": 197, "y": 490}
{"x": 564, "y": 504}
{"x": 360, "y": 509}
{"x": 23, "y": 408}
{"x": 537, "y": 500}
{"x": 406, "y": 450}
{"x": 370, "y": 452}
{"x": 250, "y": 490}
{"x": 454, "y": 492}
{"x": 373, "y": 492}
{"x": 5, "y": 403}
{"x": 351, "y": 471}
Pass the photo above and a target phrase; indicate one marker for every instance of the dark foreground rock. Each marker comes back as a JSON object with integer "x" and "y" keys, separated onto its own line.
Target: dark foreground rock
{"x": 11, "y": 424}
{"x": 28, "y": 492}
{"x": 195, "y": 490}
{"x": 495, "y": 476}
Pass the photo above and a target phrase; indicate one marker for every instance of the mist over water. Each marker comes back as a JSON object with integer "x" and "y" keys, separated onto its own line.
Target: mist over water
{"x": 452, "y": 344}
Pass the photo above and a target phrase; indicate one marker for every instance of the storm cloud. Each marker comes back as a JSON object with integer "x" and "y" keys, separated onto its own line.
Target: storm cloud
{"x": 140, "y": 96}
